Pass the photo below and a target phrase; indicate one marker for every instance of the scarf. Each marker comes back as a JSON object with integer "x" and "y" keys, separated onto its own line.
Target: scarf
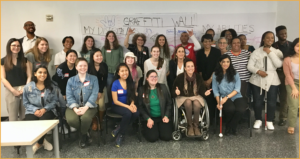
{"x": 191, "y": 80}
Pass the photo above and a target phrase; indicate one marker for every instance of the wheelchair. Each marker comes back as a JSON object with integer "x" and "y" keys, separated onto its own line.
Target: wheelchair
{"x": 181, "y": 126}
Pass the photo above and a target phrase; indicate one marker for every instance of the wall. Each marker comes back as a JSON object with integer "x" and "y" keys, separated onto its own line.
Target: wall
{"x": 66, "y": 19}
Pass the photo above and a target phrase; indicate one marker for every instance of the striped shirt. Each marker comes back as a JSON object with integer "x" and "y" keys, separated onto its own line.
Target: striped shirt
{"x": 240, "y": 63}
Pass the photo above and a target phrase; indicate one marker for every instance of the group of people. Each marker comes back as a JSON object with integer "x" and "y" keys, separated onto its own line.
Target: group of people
{"x": 142, "y": 83}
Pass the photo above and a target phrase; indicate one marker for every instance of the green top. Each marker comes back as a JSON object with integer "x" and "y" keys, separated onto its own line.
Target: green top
{"x": 86, "y": 55}
{"x": 154, "y": 104}
{"x": 112, "y": 58}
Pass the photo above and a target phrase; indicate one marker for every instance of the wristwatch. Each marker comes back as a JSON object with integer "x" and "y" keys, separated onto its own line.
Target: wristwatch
{"x": 227, "y": 97}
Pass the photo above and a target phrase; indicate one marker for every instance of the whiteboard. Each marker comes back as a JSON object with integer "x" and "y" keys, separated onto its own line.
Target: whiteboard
{"x": 253, "y": 25}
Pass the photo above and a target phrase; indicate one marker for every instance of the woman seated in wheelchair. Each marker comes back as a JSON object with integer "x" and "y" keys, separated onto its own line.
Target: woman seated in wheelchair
{"x": 226, "y": 83}
{"x": 155, "y": 106}
{"x": 189, "y": 89}
{"x": 39, "y": 100}
{"x": 82, "y": 92}
{"x": 123, "y": 95}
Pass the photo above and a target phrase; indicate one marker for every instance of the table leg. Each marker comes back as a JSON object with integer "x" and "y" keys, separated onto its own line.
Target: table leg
{"x": 56, "y": 142}
{"x": 29, "y": 151}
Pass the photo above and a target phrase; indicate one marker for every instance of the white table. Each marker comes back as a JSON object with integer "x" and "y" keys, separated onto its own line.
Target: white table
{"x": 18, "y": 133}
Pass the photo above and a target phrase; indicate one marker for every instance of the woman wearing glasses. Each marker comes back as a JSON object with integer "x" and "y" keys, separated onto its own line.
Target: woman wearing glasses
{"x": 222, "y": 45}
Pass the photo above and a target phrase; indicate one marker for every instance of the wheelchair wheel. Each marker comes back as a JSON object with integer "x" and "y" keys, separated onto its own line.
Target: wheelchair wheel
{"x": 175, "y": 118}
{"x": 176, "y": 135}
{"x": 205, "y": 123}
{"x": 205, "y": 136}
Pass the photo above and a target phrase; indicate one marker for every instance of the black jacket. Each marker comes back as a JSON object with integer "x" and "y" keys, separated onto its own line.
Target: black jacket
{"x": 102, "y": 74}
{"x": 173, "y": 71}
{"x": 165, "y": 103}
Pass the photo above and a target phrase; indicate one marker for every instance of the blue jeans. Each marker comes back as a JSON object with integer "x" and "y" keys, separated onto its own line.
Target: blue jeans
{"x": 258, "y": 101}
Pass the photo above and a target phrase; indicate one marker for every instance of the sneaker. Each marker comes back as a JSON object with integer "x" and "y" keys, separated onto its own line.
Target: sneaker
{"x": 270, "y": 125}
{"x": 282, "y": 122}
{"x": 72, "y": 129}
{"x": 116, "y": 131}
{"x": 47, "y": 145}
{"x": 119, "y": 140}
{"x": 82, "y": 142}
{"x": 257, "y": 124}
{"x": 35, "y": 147}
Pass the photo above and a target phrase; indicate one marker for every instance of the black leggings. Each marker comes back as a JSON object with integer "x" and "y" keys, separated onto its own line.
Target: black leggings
{"x": 159, "y": 130}
{"x": 233, "y": 111}
{"x": 49, "y": 115}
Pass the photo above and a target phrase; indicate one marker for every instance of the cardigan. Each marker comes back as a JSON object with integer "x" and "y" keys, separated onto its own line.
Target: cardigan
{"x": 179, "y": 82}
{"x": 173, "y": 72}
{"x": 112, "y": 58}
{"x": 287, "y": 69}
{"x": 101, "y": 74}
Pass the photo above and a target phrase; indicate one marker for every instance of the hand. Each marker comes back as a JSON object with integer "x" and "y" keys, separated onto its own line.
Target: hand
{"x": 262, "y": 73}
{"x": 64, "y": 97}
{"x": 219, "y": 107}
{"x": 99, "y": 96}
{"x": 130, "y": 31}
{"x": 37, "y": 113}
{"x": 83, "y": 109}
{"x": 20, "y": 89}
{"x": 267, "y": 49}
{"x": 295, "y": 93}
{"x": 191, "y": 33}
{"x": 150, "y": 123}
{"x": 224, "y": 100}
{"x": 165, "y": 119}
{"x": 207, "y": 93}
{"x": 134, "y": 108}
{"x": 16, "y": 93}
{"x": 136, "y": 94}
{"x": 77, "y": 111}
{"x": 177, "y": 91}
{"x": 43, "y": 111}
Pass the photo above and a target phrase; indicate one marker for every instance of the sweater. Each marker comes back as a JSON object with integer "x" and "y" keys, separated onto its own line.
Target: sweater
{"x": 287, "y": 69}
{"x": 112, "y": 58}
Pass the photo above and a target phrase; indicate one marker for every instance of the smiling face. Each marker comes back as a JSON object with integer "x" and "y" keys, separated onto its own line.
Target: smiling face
{"x": 139, "y": 41}
{"x": 15, "y": 47}
{"x": 207, "y": 43}
{"x": 268, "y": 39}
{"x": 152, "y": 78}
{"x": 189, "y": 67}
{"x": 41, "y": 74}
{"x": 222, "y": 44}
{"x": 123, "y": 72}
{"x": 180, "y": 53}
{"x": 129, "y": 60}
{"x": 228, "y": 35}
{"x": 225, "y": 63}
{"x": 43, "y": 46}
{"x": 71, "y": 58}
{"x": 282, "y": 35}
{"x": 236, "y": 45}
{"x": 243, "y": 40}
{"x": 98, "y": 58}
{"x": 184, "y": 38}
{"x": 29, "y": 27}
{"x": 161, "y": 41}
{"x": 155, "y": 52}
{"x": 296, "y": 48}
{"x": 82, "y": 67}
{"x": 89, "y": 43}
{"x": 68, "y": 44}
{"x": 111, "y": 38}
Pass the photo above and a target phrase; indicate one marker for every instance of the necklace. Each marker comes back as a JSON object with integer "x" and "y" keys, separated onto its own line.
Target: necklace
{"x": 153, "y": 93}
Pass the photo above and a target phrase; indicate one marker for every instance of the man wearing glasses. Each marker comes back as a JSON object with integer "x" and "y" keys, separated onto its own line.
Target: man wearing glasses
{"x": 28, "y": 41}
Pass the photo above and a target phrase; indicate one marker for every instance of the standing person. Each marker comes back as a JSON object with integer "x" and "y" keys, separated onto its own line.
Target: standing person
{"x": 212, "y": 33}
{"x": 207, "y": 61}
{"x": 123, "y": 96}
{"x": 283, "y": 45}
{"x": 60, "y": 57}
{"x": 112, "y": 55}
{"x": 189, "y": 90}
{"x": 158, "y": 64}
{"x": 239, "y": 59}
{"x": 229, "y": 34}
{"x": 136, "y": 72}
{"x": 222, "y": 45}
{"x": 99, "y": 68}
{"x": 15, "y": 74}
{"x": 87, "y": 47}
{"x": 82, "y": 91}
{"x": 162, "y": 43}
{"x": 227, "y": 84}
{"x": 39, "y": 99}
{"x": 39, "y": 54}
{"x": 28, "y": 41}
{"x": 244, "y": 45}
{"x": 223, "y": 33}
{"x": 265, "y": 81}
{"x": 155, "y": 106}
{"x": 190, "y": 48}
{"x": 291, "y": 71}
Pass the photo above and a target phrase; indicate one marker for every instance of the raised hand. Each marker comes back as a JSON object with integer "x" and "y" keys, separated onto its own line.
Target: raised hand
{"x": 130, "y": 31}
{"x": 191, "y": 33}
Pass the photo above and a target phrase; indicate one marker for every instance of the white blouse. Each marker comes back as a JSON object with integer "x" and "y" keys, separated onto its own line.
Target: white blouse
{"x": 162, "y": 72}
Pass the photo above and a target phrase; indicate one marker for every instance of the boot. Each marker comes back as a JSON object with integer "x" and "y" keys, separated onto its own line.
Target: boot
{"x": 190, "y": 125}
{"x": 101, "y": 115}
{"x": 196, "y": 129}
{"x": 94, "y": 126}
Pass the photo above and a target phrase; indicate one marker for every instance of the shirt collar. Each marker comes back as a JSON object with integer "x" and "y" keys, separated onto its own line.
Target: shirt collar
{"x": 87, "y": 78}
{"x": 26, "y": 38}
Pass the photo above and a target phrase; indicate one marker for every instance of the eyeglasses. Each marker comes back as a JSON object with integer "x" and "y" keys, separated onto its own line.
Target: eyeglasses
{"x": 227, "y": 34}
{"x": 153, "y": 77}
{"x": 140, "y": 39}
{"x": 15, "y": 45}
{"x": 29, "y": 25}
{"x": 222, "y": 43}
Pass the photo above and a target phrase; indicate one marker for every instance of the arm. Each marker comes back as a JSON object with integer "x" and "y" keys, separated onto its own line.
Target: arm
{"x": 287, "y": 73}
{"x": 129, "y": 32}
{"x": 251, "y": 64}
{"x": 71, "y": 100}
{"x": 168, "y": 101}
{"x": 103, "y": 54}
{"x": 121, "y": 54}
{"x": 145, "y": 71}
{"x": 215, "y": 89}
{"x": 116, "y": 101}
{"x": 175, "y": 84}
{"x": 28, "y": 71}
{"x": 197, "y": 45}
{"x": 276, "y": 58}
{"x": 141, "y": 104}
{"x": 94, "y": 95}
{"x": 5, "y": 82}
{"x": 28, "y": 106}
{"x": 56, "y": 60}
{"x": 52, "y": 101}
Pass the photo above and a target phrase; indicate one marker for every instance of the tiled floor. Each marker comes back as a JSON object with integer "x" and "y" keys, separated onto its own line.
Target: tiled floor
{"x": 270, "y": 144}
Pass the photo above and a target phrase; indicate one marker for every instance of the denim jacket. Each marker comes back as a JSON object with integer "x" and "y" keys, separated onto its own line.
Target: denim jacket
{"x": 89, "y": 87}
{"x": 32, "y": 99}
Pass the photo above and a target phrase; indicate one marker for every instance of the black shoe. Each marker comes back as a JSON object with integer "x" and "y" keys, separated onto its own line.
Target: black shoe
{"x": 234, "y": 132}
{"x": 282, "y": 122}
{"x": 227, "y": 131}
{"x": 83, "y": 141}
{"x": 119, "y": 140}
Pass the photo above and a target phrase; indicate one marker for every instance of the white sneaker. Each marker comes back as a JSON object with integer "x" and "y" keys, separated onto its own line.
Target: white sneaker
{"x": 65, "y": 129}
{"x": 35, "y": 147}
{"x": 47, "y": 145}
{"x": 72, "y": 129}
{"x": 257, "y": 124}
{"x": 270, "y": 125}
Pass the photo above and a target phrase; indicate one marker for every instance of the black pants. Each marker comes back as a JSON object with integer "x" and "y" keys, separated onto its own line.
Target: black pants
{"x": 258, "y": 101}
{"x": 233, "y": 111}
{"x": 49, "y": 115}
{"x": 212, "y": 104}
{"x": 159, "y": 130}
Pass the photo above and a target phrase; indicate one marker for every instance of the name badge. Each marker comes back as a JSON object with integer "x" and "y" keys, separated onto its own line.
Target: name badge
{"x": 143, "y": 95}
{"x": 144, "y": 53}
{"x": 66, "y": 75}
{"x": 86, "y": 83}
{"x": 108, "y": 51}
{"x": 120, "y": 91}
{"x": 42, "y": 94}
{"x": 189, "y": 47}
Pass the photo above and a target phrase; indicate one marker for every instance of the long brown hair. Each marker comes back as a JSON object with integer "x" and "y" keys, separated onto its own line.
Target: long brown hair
{"x": 115, "y": 43}
{"x": 35, "y": 50}
{"x": 8, "y": 63}
{"x": 165, "y": 47}
{"x": 160, "y": 60}
{"x": 146, "y": 89}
